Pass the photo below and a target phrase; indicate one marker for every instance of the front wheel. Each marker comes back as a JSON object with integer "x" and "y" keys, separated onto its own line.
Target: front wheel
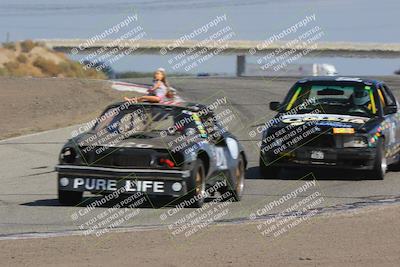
{"x": 380, "y": 165}
{"x": 268, "y": 171}
{"x": 69, "y": 197}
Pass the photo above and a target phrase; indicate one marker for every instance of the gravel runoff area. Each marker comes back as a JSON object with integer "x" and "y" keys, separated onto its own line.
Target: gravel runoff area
{"x": 366, "y": 237}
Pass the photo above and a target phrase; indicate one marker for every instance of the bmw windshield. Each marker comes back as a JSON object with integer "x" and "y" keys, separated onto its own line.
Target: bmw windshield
{"x": 355, "y": 99}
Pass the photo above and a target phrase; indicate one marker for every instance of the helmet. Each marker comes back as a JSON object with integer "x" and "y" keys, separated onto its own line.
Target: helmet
{"x": 360, "y": 97}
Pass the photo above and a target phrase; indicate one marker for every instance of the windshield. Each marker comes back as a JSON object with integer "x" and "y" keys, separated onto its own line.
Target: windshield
{"x": 354, "y": 99}
{"x": 140, "y": 119}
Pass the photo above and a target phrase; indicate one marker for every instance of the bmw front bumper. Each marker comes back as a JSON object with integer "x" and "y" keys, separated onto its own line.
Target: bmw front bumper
{"x": 341, "y": 158}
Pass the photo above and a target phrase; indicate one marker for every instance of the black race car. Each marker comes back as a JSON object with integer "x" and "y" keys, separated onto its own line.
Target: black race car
{"x": 333, "y": 122}
{"x": 178, "y": 151}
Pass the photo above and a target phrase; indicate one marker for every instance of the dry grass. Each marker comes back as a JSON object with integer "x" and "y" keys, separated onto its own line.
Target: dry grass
{"x": 27, "y": 46}
{"x": 24, "y": 60}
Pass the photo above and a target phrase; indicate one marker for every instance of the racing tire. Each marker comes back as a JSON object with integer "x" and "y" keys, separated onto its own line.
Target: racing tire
{"x": 69, "y": 197}
{"x": 380, "y": 164}
{"x": 268, "y": 171}
{"x": 196, "y": 186}
{"x": 237, "y": 191}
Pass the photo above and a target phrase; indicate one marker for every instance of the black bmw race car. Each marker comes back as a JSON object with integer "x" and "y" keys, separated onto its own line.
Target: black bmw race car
{"x": 333, "y": 122}
{"x": 159, "y": 150}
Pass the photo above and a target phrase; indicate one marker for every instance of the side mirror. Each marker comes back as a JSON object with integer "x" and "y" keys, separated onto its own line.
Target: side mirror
{"x": 390, "y": 109}
{"x": 274, "y": 105}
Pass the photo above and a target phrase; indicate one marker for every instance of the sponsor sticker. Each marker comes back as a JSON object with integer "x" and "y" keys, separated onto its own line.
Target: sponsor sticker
{"x": 343, "y": 130}
{"x": 94, "y": 184}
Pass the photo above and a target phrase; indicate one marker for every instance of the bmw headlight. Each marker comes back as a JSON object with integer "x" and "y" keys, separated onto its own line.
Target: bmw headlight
{"x": 355, "y": 141}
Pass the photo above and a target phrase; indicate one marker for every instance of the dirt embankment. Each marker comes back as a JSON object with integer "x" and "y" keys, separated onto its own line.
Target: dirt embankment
{"x": 30, "y": 105}
{"x": 30, "y": 59}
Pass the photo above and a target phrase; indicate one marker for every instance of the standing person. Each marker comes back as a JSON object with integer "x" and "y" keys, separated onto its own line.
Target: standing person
{"x": 157, "y": 92}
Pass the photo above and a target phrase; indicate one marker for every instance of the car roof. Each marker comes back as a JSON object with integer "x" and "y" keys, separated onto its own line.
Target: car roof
{"x": 339, "y": 79}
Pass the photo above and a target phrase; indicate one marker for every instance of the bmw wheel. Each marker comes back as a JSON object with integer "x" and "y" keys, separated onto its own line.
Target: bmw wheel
{"x": 380, "y": 165}
{"x": 268, "y": 171}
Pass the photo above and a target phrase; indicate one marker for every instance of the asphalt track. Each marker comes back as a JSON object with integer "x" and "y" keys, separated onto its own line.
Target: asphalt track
{"x": 28, "y": 199}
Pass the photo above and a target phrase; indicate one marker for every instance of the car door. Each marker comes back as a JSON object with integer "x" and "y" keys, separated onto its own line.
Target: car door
{"x": 216, "y": 137}
{"x": 391, "y": 114}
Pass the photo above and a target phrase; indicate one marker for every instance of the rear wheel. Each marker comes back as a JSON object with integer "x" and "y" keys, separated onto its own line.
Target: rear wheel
{"x": 69, "y": 197}
{"x": 268, "y": 171}
{"x": 197, "y": 186}
{"x": 237, "y": 191}
{"x": 380, "y": 165}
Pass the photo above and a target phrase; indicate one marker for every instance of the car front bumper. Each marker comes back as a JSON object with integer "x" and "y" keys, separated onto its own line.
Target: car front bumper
{"x": 127, "y": 181}
{"x": 341, "y": 158}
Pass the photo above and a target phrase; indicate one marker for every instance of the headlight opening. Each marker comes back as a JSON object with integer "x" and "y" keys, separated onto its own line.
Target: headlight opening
{"x": 355, "y": 141}
{"x": 68, "y": 155}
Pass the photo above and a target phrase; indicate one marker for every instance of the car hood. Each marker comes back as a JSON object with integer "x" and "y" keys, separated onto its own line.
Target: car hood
{"x": 325, "y": 120}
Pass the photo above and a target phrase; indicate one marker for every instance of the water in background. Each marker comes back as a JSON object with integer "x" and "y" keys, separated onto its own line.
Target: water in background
{"x": 341, "y": 20}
